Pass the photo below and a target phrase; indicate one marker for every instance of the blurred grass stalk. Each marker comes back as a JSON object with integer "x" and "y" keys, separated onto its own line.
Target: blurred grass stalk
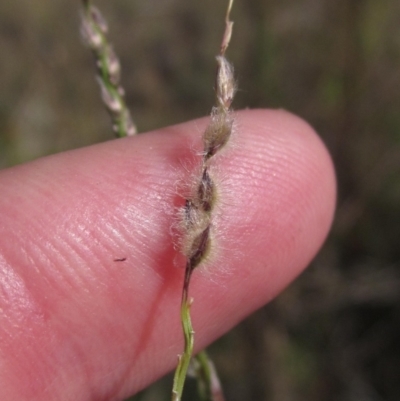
{"x": 94, "y": 32}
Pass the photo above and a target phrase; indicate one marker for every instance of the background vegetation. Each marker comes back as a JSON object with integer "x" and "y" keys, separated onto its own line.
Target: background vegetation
{"x": 335, "y": 333}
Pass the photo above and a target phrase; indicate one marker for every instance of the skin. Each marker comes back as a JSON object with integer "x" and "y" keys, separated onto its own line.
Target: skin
{"x": 78, "y": 324}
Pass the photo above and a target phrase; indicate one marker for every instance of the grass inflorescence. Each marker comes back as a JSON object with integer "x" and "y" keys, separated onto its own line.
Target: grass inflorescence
{"x": 94, "y": 32}
{"x": 197, "y": 213}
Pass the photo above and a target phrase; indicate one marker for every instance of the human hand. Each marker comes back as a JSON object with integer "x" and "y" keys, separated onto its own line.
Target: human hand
{"x": 80, "y": 322}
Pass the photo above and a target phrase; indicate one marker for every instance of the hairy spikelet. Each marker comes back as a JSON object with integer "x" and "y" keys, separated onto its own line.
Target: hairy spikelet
{"x": 199, "y": 206}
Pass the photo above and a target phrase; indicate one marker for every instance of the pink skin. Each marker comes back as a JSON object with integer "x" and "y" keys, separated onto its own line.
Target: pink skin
{"x": 75, "y": 324}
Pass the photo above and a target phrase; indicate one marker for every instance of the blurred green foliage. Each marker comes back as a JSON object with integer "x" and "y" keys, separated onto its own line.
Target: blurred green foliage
{"x": 335, "y": 333}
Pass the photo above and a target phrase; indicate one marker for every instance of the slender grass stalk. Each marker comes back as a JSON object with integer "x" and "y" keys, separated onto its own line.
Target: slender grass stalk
{"x": 184, "y": 359}
{"x": 208, "y": 383}
{"x": 197, "y": 212}
{"x": 94, "y": 31}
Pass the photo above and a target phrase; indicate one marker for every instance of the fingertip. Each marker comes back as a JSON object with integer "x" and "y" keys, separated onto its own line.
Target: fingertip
{"x": 68, "y": 218}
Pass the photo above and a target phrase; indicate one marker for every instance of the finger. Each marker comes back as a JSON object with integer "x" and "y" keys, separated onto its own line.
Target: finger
{"x": 89, "y": 302}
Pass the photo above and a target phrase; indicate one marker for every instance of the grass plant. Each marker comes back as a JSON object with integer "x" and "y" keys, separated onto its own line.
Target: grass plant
{"x": 196, "y": 215}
